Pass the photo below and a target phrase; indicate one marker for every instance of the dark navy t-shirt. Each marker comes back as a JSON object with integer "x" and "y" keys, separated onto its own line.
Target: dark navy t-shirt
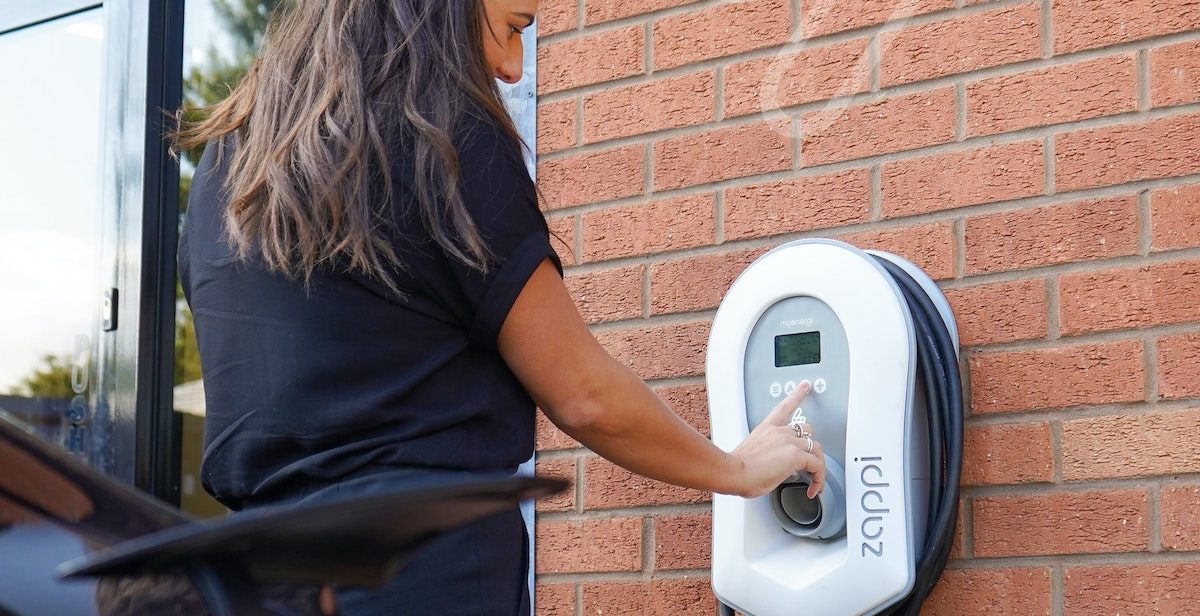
{"x": 306, "y": 387}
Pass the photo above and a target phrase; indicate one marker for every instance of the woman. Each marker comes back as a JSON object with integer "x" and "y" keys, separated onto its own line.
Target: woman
{"x": 377, "y": 301}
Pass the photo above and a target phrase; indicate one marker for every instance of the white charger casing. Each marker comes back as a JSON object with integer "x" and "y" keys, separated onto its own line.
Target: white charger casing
{"x": 762, "y": 570}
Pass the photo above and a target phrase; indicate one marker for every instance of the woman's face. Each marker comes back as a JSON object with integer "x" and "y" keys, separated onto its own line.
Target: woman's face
{"x": 502, "y": 25}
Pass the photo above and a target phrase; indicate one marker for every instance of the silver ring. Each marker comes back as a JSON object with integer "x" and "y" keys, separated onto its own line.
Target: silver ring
{"x": 808, "y": 444}
{"x": 798, "y": 428}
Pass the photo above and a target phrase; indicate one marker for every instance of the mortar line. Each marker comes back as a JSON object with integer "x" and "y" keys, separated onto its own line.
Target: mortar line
{"x": 580, "y": 15}
{"x": 578, "y": 587}
{"x": 649, "y": 557}
{"x": 1128, "y": 409}
{"x": 1056, "y": 454}
{"x": 876, "y": 193}
{"x": 1143, "y": 80}
{"x": 968, "y": 536}
{"x": 960, "y": 112}
{"x": 620, "y": 576}
{"x": 1081, "y": 486}
{"x": 1053, "y": 308}
{"x": 795, "y": 8}
{"x": 1057, "y": 590}
{"x": 1075, "y": 560}
{"x": 1145, "y": 223}
{"x": 1048, "y": 166}
{"x": 1154, "y": 519}
{"x": 719, "y": 94}
{"x": 1150, "y": 367}
{"x": 959, "y": 230}
{"x": 719, "y": 217}
{"x": 579, "y": 488}
{"x": 648, "y": 168}
{"x": 646, "y": 291}
{"x": 578, "y": 239}
{"x": 796, "y": 129}
{"x": 891, "y": 91}
{"x": 579, "y": 119}
{"x": 627, "y": 512}
{"x": 1047, "y": 28}
{"x": 648, "y": 48}
{"x": 873, "y": 63}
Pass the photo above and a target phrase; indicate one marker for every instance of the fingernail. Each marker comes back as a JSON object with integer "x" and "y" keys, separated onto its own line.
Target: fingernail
{"x": 805, "y": 385}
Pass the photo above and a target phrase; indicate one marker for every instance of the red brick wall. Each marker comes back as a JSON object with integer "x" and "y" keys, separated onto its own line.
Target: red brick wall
{"x": 1041, "y": 159}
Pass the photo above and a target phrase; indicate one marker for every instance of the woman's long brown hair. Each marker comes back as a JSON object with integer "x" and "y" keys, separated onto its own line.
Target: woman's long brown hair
{"x": 337, "y": 87}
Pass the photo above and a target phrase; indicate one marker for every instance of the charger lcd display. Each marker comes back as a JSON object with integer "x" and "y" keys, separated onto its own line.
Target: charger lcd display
{"x": 798, "y": 349}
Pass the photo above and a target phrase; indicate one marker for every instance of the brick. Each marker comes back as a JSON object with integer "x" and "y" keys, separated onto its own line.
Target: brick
{"x": 1158, "y": 294}
{"x": 646, "y": 228}
{"x": 999, "y": 312}
{"x": 1089, "y": 89}
{"x": 1084, "y": 24}
{"x": 556, "y": 126}
{"x": 821, "y": 17}
{"x": 722, "y": 154}
{"x": 1007, "y": 454}
{"x": 930, "y": 247}
{"x": 649, "y": 107}
{"x": 689, "y": 595}
{"x": 1178, "y": 357}
{"x": 556, "y": 16}
{"x": 1061, "y": 523}
{"x": 891, "y": 125}
{"x": 997, "y": 592}
{"x": 689, "y": 402}
{"x": 608, "y": 486}
{"x": 660, "y": 351}
{"x": 1160, "y": 148}
{"x": 696, "y": 283}
{"x": 1103, "y": 373}
{"x": 548, "y": 437}
{"x": 1175, "y": 74}
{"x": 957, "y": 179}
{"x": 683, "y": 542}
{"x": 815, "y": 74}
{"x": 599, "y": 11}
{"x": 1175, "y": 217}
{"x": 608, "y": 295}
{"x": 799, "y": 204}
{"x": 589, "y": 59}
{"x": 950, "y": 46}
{"x": 1137, "y": 589}
{"x": 1062, "y": 233}
{"x": 1180, "y": 512}
{"x": 730, "y": 27}
{"x": 563, "y": 468}
{"x": 562, "y": 238}
{"x": 554, "y": 599}
{"x": 591, "y": 178}
{"x": 589, "y": 546}
{"x": 1164, "y": 443}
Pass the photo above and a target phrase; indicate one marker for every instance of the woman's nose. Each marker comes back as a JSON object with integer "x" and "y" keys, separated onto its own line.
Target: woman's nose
{"x": 509, "y": 71}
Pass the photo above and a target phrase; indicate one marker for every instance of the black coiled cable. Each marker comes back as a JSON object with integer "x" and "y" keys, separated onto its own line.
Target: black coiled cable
{"x": 941, "y": 382}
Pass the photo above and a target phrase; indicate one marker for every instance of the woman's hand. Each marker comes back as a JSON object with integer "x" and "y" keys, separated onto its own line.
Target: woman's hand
{"x": 773, "y": 451}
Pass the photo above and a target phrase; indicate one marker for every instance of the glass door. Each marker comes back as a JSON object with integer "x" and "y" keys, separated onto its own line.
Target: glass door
{"x": 51, "y": 108}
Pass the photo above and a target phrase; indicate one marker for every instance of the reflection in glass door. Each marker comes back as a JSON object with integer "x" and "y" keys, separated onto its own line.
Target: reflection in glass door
{"x": 50, "y": 123}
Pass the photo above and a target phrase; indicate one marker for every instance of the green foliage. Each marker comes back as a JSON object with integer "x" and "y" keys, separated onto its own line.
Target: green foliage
{"x": 52, "y": 379}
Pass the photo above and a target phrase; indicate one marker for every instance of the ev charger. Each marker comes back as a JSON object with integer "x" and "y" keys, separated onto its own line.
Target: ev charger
{"x": 875, "y": 337}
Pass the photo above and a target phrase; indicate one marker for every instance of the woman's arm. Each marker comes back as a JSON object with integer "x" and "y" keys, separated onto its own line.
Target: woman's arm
{"x": 605, "y": 406}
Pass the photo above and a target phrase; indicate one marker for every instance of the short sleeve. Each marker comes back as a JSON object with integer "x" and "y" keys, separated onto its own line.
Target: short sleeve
{"x": 502, "y": 202}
